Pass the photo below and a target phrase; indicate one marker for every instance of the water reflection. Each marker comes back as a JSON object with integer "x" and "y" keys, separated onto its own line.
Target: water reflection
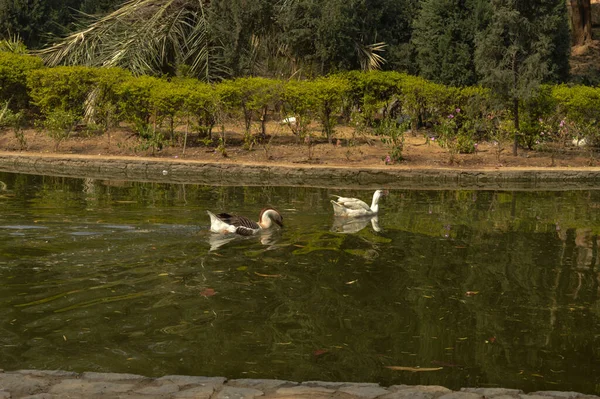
{"x": 496, "y": 288}
{"x": 346, "y": 225}
{"x": 267, "y": 238}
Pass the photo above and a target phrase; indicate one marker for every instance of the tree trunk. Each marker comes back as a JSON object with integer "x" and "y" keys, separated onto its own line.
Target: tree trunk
{"x": 580, "y": 15}
{"x": 516, "y": 121}
{"x": 515, "y": 71}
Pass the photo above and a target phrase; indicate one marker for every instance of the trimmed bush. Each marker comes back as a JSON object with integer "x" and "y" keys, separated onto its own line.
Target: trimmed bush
{"x": 63, "y": 88}
{"x": 14, "y": 69}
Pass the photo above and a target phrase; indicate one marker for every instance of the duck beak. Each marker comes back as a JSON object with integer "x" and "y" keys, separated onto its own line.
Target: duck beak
{"x": 279, "y": 222}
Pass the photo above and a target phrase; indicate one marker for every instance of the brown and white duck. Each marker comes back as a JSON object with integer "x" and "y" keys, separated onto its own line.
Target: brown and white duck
{"x": 225, "y": 223}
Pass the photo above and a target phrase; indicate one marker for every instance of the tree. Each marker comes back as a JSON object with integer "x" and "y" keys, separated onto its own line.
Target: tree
{"x": 580, "y": 13}
{"x": 519, "y": 50}
{"x": 444, "y": 39}
{"x": 342, "y": 35}
{"x": 36, "y": 22}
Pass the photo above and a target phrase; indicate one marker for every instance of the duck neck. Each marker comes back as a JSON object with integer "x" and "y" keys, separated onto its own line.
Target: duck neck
{"x": 266, "y": 220}
{"x": 375, "y": 203}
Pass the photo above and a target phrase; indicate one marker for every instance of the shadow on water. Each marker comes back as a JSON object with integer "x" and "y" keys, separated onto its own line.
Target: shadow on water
{"x": 454, "y": 288}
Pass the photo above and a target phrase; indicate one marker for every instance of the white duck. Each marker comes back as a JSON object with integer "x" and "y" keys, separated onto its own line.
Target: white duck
{"x": 353, "y": 207}
{"x": 225, "y": 223}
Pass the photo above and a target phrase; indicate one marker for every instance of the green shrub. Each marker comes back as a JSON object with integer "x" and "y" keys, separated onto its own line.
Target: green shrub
{"x": 252, "y": 97}
{"x": 298, "y": 102}
{"x": 201, "y": 102}
{"x": 59, "y": 124}
{"x": 102, "y": 104}
{"x": 63, "y": 88}
{"x": 328, "y": 94}
{"x": 135, "y": 101}
{"x": 14, "y": 69}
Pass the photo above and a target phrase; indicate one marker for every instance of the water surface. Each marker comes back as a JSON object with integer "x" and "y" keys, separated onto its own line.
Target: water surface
{"x": 481, "y": 288}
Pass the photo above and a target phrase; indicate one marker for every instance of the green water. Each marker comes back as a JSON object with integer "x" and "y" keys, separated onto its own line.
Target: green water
{"x": 489, "y": 288}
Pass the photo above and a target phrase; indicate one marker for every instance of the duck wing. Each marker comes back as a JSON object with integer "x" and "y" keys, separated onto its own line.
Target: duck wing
{"x": 243, "y": 225}
{"x": 353, "y": 203}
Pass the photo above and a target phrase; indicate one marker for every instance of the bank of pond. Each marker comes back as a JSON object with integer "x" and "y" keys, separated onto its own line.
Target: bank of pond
{"x": 184, "y": 112}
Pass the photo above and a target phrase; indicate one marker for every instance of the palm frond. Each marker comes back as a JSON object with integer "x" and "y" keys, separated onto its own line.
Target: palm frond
{"x": 368, "y": 57}
{"x": 144, "y": 36}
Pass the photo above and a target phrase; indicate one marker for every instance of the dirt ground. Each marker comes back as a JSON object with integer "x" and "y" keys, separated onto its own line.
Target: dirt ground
{"x": 282, "y": 147}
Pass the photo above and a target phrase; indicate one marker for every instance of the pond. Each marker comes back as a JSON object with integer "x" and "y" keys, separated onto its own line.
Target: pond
{"x": 470, "y": 288}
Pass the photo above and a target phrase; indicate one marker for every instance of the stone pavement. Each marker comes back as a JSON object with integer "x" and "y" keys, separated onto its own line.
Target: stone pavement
{"x": 35, "y": 384}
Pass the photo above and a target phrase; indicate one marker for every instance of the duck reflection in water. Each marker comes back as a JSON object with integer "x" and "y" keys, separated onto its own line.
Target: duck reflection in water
{"x": 268, "y": 238}
{"x": 346, "y": 225}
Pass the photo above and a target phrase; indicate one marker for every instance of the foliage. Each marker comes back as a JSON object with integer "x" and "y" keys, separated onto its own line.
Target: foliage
{"x": 374, "y": 92}
{"x": 145, "y": 37}
{"x": 252, "y": 97}
{"x": 37, "y": 21}
{"x": 14, "y": 69}
{"x": 201, "y": 101}
{"x": 454, "y": 134}
{"x": 382, "y": 101}
{"x": 14, "y": 121}
{"x": 514, "y": 54}
{"x": 101, "y": 107}
{"x": 298, "y": 102}
{"x": 135, "y": 102}
{"x": 579, "y": 108}
{"x": 61, "y": 88}
{"x": 328, "y": 94}
{"x": 59, "y": 124}
{"x": 444, "y": 39}
{"x": 13, "y": 44}
{"x": 392, "y": 135}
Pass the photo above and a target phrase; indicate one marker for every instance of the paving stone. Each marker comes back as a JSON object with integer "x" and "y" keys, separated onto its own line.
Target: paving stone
{"x": 48, "y": 373}
{"x": 409, "y": 394}
{"x": 324, "y": 384}
{"x": 201, "y": 392}
{"x": 516, "y": 396}
{"x": 5, "y": 395}
{"x": 112, "y": 376}
{"x": 493, "y": 392}
{"x": 461, "y": 395}
{"x": 39, "y": 396}
{"x": 303, "y": 390}
{"x": 534, "y": 397}
{"x": 364, "y": 391}
{"x": 263, "y": 385}
{"x": 562, "y": 395}
{"x": 89, "y": 388}
{"x": 158, "y": 389}
{"x": 22, "y": 385}
{"x": 434, "y": 390}
{"x": 238, "y": 393}
{"x": 183, "y": 380}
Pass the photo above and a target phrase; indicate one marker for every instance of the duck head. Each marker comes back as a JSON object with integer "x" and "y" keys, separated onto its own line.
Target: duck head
{"x": 269, "y": 216}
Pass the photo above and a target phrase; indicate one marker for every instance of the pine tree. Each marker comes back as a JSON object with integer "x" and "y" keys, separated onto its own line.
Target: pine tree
{"x": 444, "y": 39}
{"x": 520, "y": 49}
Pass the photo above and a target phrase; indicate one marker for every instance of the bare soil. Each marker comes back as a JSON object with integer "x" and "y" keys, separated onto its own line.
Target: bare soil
{"x": 282, "y": 147}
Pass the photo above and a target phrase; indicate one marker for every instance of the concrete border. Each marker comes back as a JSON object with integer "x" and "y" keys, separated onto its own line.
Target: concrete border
{"x": 166, "y": 170}
{"x": 55, "y": 384}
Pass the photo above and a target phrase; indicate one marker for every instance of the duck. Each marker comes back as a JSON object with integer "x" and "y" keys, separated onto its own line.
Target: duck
{"x": 225, "y": 223}
{"x": 354, "y": 207}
